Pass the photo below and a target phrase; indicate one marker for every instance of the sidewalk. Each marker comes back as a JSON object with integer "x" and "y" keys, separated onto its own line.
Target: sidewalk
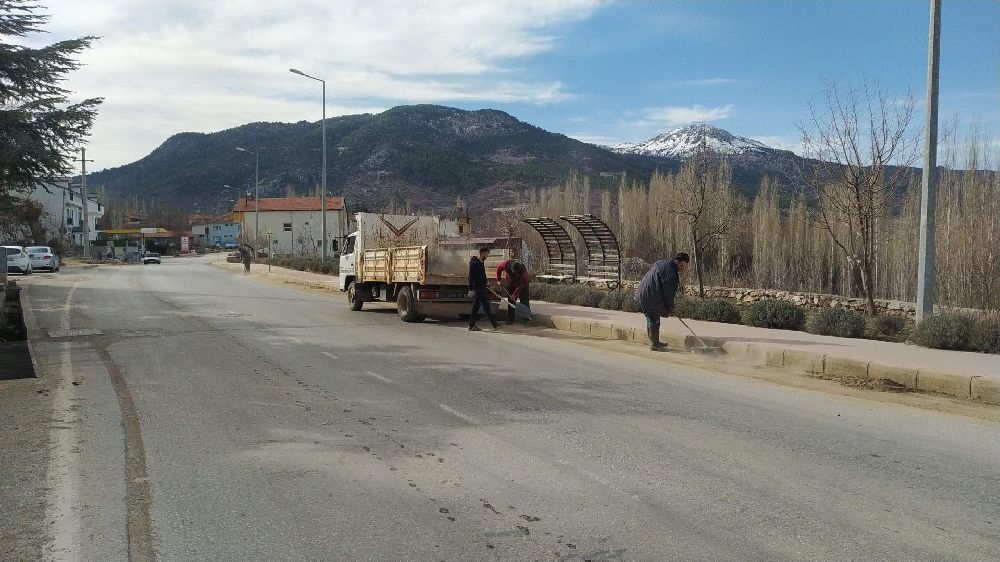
{"x": 956, "y": 373}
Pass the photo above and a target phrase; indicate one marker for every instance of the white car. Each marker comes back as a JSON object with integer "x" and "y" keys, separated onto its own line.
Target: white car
{"x": 42, "y": 257}
{"x": 17, "y": 260}
{"x": 150, "y": 257}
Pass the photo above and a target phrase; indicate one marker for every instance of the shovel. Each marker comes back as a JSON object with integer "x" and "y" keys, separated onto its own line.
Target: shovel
{"x": 518, "y": 307}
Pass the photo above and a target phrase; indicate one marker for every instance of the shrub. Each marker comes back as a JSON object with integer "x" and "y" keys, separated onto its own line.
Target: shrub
{"x": 985, "y": 335}
{"x": 886, "y": 327}
{"x": 563, "y": 294}
{"x": 613, "y": 300}
{"x": 774, "y": 313}
{"x": 587, "y": 296}
{"x": 686, "y": 308}
{"x": 629, "y": 304}
{"x": 945, "y": 331}
{"x": 840, "y": 322}
{"x": 718, "y": 310}
{"x": 540, "y": 291}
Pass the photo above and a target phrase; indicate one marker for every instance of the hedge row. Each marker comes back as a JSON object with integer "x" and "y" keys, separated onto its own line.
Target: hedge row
{"x": 307, "y": 264}
{"x": 944, "y": 331}
{"x": 959, "y": 332}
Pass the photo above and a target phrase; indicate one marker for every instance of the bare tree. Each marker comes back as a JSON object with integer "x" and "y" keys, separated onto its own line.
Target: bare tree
{"x": 860, "y": 146}
{"x": 704, "y": 198}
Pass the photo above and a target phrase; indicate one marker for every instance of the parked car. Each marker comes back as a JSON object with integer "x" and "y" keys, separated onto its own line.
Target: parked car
{"x": 150, "y": 257}
{"x": 42, "y": 257}
{"x": 18, "y": 260}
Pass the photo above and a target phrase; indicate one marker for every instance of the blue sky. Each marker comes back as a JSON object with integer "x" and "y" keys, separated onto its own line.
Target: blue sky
{"x": 763, "y": 60}
{"x": 598, "y": 70}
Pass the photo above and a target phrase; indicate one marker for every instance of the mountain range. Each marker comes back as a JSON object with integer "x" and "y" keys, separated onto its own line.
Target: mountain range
{"x": 423, "y": 155}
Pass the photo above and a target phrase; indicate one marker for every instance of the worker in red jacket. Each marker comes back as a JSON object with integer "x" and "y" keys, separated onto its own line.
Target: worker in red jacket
{"x": 513, "y": 276}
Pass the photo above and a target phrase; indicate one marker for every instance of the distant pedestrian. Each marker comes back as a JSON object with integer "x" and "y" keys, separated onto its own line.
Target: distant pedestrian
{"x": 656, "y": 294}
{"x": 513, "y": 276}
{"x": 246, "y": 253}
{"x": 479, "y": 290}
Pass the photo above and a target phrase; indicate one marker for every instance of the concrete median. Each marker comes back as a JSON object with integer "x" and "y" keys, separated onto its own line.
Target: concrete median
{"x": 945, "y": 383}
{"x": 898, "y": 375}
{"x": 985, "y": 390}
{"x": 841, "y": 367}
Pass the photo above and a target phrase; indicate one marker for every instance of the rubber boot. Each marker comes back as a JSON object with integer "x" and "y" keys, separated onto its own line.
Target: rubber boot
{"x": 654, "y": 340}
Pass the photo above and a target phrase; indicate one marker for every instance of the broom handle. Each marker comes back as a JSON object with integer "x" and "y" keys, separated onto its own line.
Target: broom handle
{"x": 702, "y": 342}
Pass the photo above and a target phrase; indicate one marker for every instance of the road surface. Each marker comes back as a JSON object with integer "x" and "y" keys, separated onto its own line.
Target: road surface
{"x": 202, "y": 415}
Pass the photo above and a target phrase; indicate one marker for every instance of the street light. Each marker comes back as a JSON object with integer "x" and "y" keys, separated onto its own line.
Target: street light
{"x": 256, "y": 199}
{"x": 322, "y": 200}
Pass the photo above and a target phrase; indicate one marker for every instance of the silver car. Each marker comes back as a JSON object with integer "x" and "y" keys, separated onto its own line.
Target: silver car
{"x": 17, "y": 260}
{"x": 42, "y": 257}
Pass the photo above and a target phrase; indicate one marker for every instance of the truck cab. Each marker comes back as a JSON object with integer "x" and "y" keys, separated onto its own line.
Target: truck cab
{"x": 348, "y": 261}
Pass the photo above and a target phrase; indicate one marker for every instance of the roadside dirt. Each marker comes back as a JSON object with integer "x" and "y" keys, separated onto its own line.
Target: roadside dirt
{"x": 25, "y": 423}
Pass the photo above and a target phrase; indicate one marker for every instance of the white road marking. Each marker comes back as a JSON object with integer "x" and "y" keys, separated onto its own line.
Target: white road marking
{"x": 457, "y": 414}
{"x": 63, "y": 476}
{"x": 378, "y": 376}
{"x": 330, "y": 355}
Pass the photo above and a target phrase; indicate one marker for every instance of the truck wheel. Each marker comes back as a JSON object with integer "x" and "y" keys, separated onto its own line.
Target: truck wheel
{"x": 354, "y": 297}
{"x": 407, "y": 306}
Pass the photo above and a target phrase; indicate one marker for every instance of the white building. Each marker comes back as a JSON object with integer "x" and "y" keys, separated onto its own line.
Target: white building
{"x": 295, "y": 223}
{"x": 63, "y": 205}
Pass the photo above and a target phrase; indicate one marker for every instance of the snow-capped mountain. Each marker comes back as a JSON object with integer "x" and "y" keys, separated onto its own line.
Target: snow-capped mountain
{"x": 684, "y": 141}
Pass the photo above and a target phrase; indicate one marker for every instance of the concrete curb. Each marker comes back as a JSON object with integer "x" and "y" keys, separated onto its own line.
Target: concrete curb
{"x": 969, "y": 387}
{"x": 31, "y": 326}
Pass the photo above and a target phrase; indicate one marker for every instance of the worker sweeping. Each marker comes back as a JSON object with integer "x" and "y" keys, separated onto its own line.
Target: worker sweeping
{"x": 656, "y": 295}
{"x": 514, "y": 278}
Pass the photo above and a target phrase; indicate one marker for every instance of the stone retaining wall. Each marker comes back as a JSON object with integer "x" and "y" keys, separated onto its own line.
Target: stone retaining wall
{"x": 807, "y": 300}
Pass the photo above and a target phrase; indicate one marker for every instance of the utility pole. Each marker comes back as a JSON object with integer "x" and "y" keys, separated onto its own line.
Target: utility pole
{"x": 322, "y": 200}
{"x": 86, "y": 202}
{"x": 256, "y": 195}
{"x": 929, "y": 180}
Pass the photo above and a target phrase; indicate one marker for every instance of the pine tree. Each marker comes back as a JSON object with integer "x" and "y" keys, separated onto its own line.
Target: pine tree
{"x": 39, "y": 128}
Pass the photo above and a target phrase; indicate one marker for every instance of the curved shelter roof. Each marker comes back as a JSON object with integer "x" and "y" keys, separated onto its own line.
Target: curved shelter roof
{"x": 603, "y": 252}
{"x": 558, "y": 245}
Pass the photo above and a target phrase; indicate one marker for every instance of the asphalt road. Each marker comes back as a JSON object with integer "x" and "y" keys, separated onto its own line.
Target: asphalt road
{"x": 218, "y": 417}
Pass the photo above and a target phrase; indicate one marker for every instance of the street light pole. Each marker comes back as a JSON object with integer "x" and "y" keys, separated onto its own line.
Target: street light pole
{"x": 322, "y": 200}
{"x": 929, "y": 181}
{"x": 256, "y": 199}
{"x": 86, "y": 202}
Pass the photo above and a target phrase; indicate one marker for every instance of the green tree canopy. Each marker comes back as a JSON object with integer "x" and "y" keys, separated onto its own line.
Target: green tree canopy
{"x": 39, "y": 127}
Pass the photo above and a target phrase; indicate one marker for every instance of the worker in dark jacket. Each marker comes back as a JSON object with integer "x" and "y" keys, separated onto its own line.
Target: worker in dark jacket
{"x": 513, "y": 276}
{"x": 656, "y": 295}
{"x": 246, "y": 256}
{"x": 479, "y": 290}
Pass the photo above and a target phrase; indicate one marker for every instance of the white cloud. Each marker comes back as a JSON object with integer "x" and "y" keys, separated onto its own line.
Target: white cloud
{"x": 704, "y": 82}
{"x": 784, "y": 143}
{"x": 191, "y": 65}
{"x": 595, "y": 138}
{"x": 681, "y": 115}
